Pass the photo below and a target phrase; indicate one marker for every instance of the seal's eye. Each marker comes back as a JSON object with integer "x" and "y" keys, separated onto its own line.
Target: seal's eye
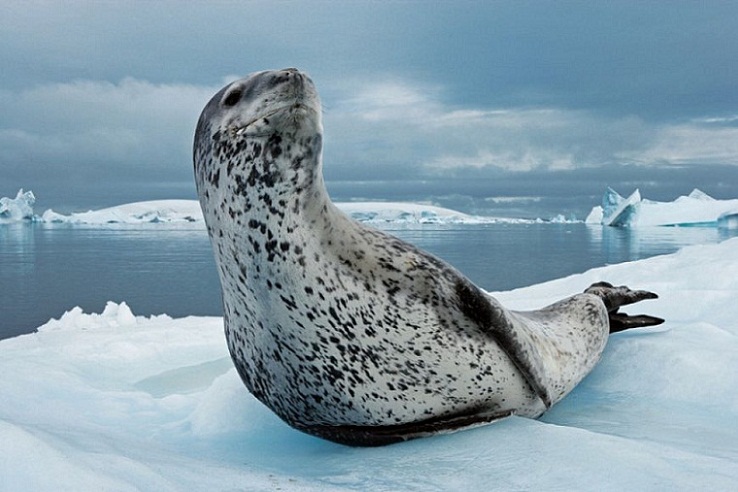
{"x": 233, "y": 97}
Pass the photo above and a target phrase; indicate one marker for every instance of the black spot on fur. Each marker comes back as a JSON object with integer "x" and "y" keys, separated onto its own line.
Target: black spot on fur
{"x": 215, "y": 177}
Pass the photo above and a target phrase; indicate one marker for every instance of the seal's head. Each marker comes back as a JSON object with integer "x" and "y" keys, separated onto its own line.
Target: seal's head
{"x": 264, "y": 129}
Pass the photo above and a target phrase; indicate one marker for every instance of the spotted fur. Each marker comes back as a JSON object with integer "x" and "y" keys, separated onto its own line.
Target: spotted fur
{"x": 347, "y": 332}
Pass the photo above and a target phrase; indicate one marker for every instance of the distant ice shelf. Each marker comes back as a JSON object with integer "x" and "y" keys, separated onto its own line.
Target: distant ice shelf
{"x": 694, "y": 210}
{"x": 150, "y": 212}
{"x": 188, "y": 211}
{"x": 414, "y": 213}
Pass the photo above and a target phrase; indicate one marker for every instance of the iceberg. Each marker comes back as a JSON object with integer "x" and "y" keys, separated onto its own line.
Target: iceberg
{"x": 414, "y": 213}
{"x": 149, "y": 212}
{"x": 695, "y": 209}
{"x": 115, "y": 401}
{"x": 18, "y": 208}
{"x": 615, "y": 211}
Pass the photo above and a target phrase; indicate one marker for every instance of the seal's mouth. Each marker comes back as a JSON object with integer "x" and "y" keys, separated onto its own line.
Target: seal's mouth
{"x": 261, "y": 125}
{"x": 252, "y": 124}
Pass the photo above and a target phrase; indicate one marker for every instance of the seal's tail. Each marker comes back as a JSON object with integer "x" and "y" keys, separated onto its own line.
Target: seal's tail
{"x": 615, "y": 297}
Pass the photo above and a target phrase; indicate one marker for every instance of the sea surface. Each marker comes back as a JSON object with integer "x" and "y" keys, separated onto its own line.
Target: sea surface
{"x": 47, "y": 269}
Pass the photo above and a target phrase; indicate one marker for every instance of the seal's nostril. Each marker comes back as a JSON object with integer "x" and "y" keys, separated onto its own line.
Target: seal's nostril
{"x": 286, "y": 75}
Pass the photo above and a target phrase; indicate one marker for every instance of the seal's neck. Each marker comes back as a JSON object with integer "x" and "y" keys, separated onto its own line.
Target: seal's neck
{"x": 275, "y": 179}
{"x": 266, "y": 212}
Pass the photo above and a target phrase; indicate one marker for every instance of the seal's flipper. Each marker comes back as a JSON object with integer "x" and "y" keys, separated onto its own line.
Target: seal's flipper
{"x": 621, "y": 321}
{"x": 615, "y": 297}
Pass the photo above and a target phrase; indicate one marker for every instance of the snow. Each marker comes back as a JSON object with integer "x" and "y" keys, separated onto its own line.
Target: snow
{"x": 114, "y": 401}
{"x": 188, "y": 211}
{"x": 695, "y": 209}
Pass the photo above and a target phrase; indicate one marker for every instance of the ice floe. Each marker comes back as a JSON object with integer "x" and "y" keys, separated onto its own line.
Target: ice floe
{"x": 695, "y": 209}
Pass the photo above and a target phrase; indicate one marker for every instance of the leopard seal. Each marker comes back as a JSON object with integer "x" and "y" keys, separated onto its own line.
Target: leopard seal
{"x": 349, "y": 333}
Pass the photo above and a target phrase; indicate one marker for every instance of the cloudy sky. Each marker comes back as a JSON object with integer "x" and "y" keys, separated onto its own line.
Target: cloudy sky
{"x": 460, "y": 102}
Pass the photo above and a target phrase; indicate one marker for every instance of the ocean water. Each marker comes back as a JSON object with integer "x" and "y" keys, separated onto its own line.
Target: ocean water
{"x": 47, "y": 269}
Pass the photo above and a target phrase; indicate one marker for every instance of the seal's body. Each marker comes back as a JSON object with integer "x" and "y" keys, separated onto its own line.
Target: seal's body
{"x": 349, "y": 333}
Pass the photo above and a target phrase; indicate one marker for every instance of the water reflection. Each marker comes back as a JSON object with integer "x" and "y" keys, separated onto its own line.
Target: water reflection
{"x": 16, "y": 238}
{"x": 620, "y": 244}
{"x": 17, "y": 267}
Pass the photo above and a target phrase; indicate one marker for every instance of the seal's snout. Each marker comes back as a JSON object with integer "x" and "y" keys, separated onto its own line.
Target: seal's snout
{"x": 296, "y": 89}
{"x": 289, "y": 76}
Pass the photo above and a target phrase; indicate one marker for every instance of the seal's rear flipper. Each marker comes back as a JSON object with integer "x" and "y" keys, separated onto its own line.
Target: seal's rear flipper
{"x": 621, "y": 321}
{"x": 615, "y": 297}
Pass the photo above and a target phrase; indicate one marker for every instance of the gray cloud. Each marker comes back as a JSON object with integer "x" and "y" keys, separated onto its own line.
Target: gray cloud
{"x": 92, "y": 128}
{"x": 409, "y": 124}
{"x": 657, "y": 60}
{"x": 455, "y": 98}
